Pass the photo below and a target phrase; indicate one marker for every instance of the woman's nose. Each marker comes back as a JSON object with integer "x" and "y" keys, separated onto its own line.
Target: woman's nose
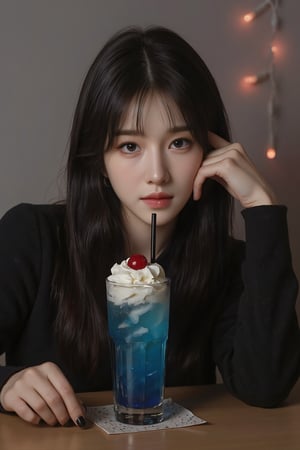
{"x": 157, "y": 168}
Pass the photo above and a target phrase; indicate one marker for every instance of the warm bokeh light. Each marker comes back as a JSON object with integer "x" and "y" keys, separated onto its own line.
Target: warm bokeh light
{"x": 255, "y": 79}
{"x": 277, "y": 50}
{"x": 249, "y": 17}
{"x": 271, "y": 153}
{"x": 251, "y": 79}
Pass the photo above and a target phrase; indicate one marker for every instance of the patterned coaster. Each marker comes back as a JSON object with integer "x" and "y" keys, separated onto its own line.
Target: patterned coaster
{"x": 176, "y": 417}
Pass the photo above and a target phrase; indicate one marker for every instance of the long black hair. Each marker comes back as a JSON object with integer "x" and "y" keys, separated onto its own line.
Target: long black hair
{"x": 132, "y": 64}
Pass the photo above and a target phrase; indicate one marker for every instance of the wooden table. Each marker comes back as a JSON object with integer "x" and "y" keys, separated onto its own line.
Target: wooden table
{"x": 231, "y": 425}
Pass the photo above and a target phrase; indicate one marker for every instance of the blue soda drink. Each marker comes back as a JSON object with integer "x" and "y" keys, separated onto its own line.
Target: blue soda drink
{"x": 138, "y": 320}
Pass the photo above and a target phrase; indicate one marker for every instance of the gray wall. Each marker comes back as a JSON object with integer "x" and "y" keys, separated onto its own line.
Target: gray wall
{"x": 47, "y": 46}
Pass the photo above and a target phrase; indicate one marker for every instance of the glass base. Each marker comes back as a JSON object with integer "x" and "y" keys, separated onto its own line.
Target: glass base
{"x": 132, "y": 416}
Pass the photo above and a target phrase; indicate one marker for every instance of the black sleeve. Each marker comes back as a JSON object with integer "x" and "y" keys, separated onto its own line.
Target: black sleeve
{"x": 19, "y": 276}
{"x": 257, "y": 338}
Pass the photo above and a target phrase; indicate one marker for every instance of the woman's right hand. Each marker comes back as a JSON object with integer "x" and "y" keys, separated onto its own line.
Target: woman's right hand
{"x": 42, "y": 393}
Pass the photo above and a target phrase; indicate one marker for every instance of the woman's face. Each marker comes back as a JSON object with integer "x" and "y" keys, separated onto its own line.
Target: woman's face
{"x": 153, "y": 170}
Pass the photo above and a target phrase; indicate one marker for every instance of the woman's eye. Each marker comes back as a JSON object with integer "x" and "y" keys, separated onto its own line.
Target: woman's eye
{"x": 129, "y": 147}
{"x": 180, "y": 143}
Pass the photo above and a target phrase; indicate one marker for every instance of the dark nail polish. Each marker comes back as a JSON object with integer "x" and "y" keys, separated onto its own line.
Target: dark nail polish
{"x": 81, "y": 422}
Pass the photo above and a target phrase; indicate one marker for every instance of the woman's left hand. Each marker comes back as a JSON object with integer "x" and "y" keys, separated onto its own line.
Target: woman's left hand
{"x": 230, "y": 166}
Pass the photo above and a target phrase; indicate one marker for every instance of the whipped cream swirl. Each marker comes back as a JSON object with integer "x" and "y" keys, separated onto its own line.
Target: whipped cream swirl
{"x": 151, "y": 274}
{"x": 135, "y": 287}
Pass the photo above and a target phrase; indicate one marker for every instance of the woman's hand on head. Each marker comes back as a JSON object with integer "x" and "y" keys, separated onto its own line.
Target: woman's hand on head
{"x": 41, "y": 393}
{"x": 232, "y": 168}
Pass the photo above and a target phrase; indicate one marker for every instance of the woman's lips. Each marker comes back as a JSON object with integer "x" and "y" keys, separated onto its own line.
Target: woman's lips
{"x": 157, "y": 200}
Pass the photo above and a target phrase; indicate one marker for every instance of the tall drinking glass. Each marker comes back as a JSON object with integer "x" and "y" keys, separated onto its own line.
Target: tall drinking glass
{"x": 138, "y": 322}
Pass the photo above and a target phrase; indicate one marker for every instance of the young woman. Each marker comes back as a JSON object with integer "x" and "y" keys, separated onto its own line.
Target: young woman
{"x": 149, "y": 134}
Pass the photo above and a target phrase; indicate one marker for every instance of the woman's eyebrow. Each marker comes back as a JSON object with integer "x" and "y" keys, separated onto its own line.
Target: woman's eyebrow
{"x": 179, "y": 128}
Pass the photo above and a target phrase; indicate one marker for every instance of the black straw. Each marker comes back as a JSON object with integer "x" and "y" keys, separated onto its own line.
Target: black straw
{"x": 153, "y": 237}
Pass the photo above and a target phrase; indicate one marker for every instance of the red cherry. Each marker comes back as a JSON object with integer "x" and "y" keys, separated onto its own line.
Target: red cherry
{"x": 137, "y": 262}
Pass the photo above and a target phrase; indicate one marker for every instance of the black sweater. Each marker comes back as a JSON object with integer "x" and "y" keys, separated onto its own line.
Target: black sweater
{"x": 255, "y": 342}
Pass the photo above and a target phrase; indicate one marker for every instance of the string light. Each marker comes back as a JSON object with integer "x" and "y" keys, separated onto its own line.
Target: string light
{"x": 255, "y": 79}
{"x": 249, "y": 17}
{"x": 269, "y": 74}
{"x": 271, "y": 153}
{"x": 257, "y": 11}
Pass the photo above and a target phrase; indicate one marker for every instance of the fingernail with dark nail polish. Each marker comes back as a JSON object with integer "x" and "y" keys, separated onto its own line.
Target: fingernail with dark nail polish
{"x": 80, "y": 421}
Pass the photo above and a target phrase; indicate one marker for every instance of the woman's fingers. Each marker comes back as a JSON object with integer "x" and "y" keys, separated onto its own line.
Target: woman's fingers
{"x": 232, "y": 168}
{"x": 42, "y": 392}
{"x": 73, "y": 406}
{"x": 47, "y": 401}
{"x": 217, "y": 141}
{"x": 22, "y": 409}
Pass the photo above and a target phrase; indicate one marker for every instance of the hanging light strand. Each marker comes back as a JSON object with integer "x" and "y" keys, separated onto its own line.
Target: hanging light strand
{"x": 269, "y": 74}
{"x": 273, "y": 100}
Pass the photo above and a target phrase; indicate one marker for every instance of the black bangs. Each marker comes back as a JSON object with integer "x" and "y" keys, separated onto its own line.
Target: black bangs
{"x": 153, "y": 62}
{"x": 193, "y": 118}
{"x": 120, "y": 111}
{"x": 141, "y": 99}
